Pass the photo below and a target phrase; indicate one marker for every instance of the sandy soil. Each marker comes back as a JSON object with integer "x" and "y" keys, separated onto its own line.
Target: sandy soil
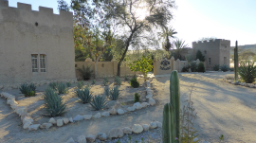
{"x": 222, "y": 108}
{"x": 74, "y": 106}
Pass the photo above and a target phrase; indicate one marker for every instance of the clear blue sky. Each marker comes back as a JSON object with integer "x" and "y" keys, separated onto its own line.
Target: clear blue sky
{"x": 194, "y": 19}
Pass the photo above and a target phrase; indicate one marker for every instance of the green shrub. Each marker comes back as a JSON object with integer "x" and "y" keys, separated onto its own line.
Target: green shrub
{"x": 200, "y": 67}
{"x": 105, "y": 81}
{"x": 53, "y": 85}
{"x": 80, "y": 84}
{"x": 247, "y": 72}
{"x": 62, "y": 88}
{"x": 86, "y": 72}
{"x": 68, "y": 84}
{"x": 224, "y": 68}
{"x": 28, "y": 90}
{"x": 193, "y": 67}
{"x": 84, "y": 95}
{"x": 136, "y": 97}
{"x": 118, "y": 81}
{"x": 98, "y": 102}
{"x": 185, "y": 69}
{"x": 53, "y": 103}
{"x": 93, "y": 81}
{"x": 114, "y": 93}
{"x": 134, "y": 83}
{"x": 216, "y": 68}
{"x": 106, "y": 90}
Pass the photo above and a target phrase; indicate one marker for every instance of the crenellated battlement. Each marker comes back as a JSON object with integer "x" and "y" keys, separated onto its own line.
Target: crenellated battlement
{"x": 28, "y": 8}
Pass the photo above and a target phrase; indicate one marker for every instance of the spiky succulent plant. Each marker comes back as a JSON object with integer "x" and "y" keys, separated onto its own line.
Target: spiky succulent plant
{"x": 98, "y": 102}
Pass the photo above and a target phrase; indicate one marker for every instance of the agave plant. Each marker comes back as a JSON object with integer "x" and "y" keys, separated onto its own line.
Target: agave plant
{"x": 84, "y": 95}
{"x": 247, "y": 72}
{"x": 68, "y": 84}
{"x": 118, "y": 81}
{"x": 106, "y": 90}
{"x": 86, "y": 72}
{"x": 53, "y": 85}
{"x": 80, "y": 84}
{"x": 61, "y": 88}
{"x": 98, "y": 102}
{"x": 114, "y": 93}
{"x": 53, "y": 103}
{"x": 28, "y": 90}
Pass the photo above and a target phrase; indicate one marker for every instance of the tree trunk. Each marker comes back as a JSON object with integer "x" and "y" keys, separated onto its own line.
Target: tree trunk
{"x": 123, "y": 55}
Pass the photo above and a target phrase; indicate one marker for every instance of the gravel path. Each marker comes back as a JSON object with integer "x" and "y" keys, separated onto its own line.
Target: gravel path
{"x": 221, "y": 108}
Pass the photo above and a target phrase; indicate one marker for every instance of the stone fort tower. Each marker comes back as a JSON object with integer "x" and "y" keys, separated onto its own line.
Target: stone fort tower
{"x": 35, "y": 46}
{"x": 216, "y": 52}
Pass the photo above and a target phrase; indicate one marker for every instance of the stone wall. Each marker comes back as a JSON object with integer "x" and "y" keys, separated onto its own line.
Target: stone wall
{"x": 25, "y": 32}
{"x": 167, "y": 66}
{"x": 104, "y": 69}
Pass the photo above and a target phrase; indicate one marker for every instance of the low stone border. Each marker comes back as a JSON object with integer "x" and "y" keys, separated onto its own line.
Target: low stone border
{"x": 116, "y": 133}
{"x": 28, "y": 121}
{"x": 250, "y": 85}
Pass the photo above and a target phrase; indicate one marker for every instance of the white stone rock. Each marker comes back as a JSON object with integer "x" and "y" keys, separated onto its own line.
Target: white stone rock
{"x": 26, "y": 125}
{"x": 115, "y": 133}
{"x": 87, "y": 117}
{"x": 78, "y": 118}
{"x": 127, "y": 130}
{"x": 90, "y": 138}
{"x": 150, "y": 92}
{"x": 145, "y": 127}
{"x": 70, "y": 140}
{"x": 137, "y": 128}
{"x": 159, "y": 124}
{"x": 137, "y": 105}
{"x": 53, "y": 121}
{"x": 59, "y": 122}
{"x": 131, "y": 108}
{"x": 148, "y": 83}
{"x": 144, "y": 104}
{"x": 81, "y": 139}
{"x": 33, "y": 127}
{"x": 11, "y": 101}
{"x": 7, "y": 95}
{"x": 151, "y": 101}
{"x": 153, "y": 125}
{"x": 120, "y": 111}
{"x": 21, "y": 111}
{"x": 97, "y": 116}
{"x": 71, "y": 120}
{"x": 149, "y": 96}
{"x": 27, "y": 119}
{"x": 113, "y": 111}
{"x": 46, "y": 125}
{"x": 105, "y": 114}
{"x": 65, "y": 120}
{"x": 14, "y": 106}
{"x": 243, "y": 83}
{"x": 102, "y": 136}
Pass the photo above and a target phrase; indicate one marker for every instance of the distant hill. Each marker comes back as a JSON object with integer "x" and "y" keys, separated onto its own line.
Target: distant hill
{"x": 245, "y": 47}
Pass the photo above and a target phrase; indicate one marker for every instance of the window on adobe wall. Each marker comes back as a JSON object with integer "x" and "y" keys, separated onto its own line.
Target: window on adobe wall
{"x": 38, "y": 65}
{"x": 42, "y": 63}
{"x": 210, "y": 61}
{"x": 34, "y": 63}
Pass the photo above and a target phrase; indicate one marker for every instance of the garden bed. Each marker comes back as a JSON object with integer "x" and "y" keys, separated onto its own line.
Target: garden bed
{"x": 35, "y": 105}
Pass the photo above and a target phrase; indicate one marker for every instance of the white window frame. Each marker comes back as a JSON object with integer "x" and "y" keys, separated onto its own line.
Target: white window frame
{"x": 34, "y": 60}
{"x": 42, "y": 63}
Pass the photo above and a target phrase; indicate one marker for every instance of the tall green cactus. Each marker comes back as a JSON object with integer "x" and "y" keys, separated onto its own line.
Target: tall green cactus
{"x": 236, "y": 62}
{"x": 171, "y": 112}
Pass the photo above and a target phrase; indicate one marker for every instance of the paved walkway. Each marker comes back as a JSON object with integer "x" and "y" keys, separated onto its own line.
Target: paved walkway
{"x": 221, "y": 108}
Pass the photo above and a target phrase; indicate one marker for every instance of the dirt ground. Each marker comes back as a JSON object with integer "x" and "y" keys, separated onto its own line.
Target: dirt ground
{"x": 74, "y": 106}
{"x": 222, "y": 108}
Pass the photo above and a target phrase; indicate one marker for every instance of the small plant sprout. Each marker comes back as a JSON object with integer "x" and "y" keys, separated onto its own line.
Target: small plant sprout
{"x": 221, "y": 138}
{"x": 105, "y": 81}
{"x": 80, "y": 84}
{"x": 93, "y": 81}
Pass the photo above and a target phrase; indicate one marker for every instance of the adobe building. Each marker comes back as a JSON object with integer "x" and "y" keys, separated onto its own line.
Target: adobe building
{"x": 216, "y": 52}
{"x": 35, "y": 46}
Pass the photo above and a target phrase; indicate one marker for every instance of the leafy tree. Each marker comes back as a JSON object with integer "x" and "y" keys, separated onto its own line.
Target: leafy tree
{"x": 62, "y": 5}
{"x": 200, "y": 56}
{"x": 135, "y": 29}
{"x": 144, "y": 65}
